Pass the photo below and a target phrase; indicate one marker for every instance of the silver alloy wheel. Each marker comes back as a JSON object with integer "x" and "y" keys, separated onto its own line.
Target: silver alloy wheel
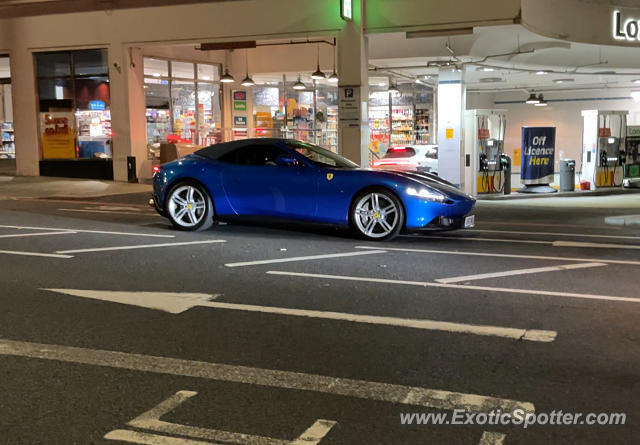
{"x": 187, "y": 206}
{"x": 376, "y": 215}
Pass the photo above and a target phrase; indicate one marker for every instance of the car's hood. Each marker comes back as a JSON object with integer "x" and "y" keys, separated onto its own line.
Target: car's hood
{"x": 430, "y": 180}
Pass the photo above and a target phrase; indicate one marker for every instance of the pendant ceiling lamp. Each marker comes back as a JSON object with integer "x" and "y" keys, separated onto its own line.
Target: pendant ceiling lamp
{"x": 318, "y": 75}
{"x": 226, "y": 77}
{"x": 333, "y": 78}
{"x": 247, "y": 81}
{"x": 299, "y": 85}
{"x": 533, "y": 99}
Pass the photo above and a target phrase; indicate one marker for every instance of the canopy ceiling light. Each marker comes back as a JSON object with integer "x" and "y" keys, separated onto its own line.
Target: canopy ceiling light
{"x": 637, "y": 81}
{"x": 542, "y": 72}
{"x": 247, "y": 81}
{"x": 299, "y": 85}
{"x": 533, "y": 99}
{"x": 563, "y": 80}
{"x": 541, "y": 102}
{"x": 491, "y": 79}
{"x": 317, "y": 74}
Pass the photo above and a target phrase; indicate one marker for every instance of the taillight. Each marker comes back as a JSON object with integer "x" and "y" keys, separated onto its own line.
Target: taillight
{"x": 156, "y": 169}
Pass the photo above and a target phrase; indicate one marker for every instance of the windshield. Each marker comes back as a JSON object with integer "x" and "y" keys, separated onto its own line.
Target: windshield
{"x": 321, "y": 157}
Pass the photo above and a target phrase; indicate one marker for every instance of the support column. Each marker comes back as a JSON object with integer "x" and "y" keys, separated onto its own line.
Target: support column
{"x": 451, "y": 106}
{"x": 128, "y": 122}
{"x": 25, "y": 112}
{"x": 353, "y": 136}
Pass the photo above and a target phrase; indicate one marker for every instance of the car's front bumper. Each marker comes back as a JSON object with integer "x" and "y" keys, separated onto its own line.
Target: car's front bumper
{"x": 155, "y": 203}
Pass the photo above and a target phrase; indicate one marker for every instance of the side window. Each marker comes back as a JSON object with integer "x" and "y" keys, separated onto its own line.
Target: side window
{"x": 253, "y": 155}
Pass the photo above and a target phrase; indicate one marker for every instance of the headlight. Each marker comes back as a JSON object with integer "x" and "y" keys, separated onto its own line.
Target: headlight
{"x": 427, "y": 194}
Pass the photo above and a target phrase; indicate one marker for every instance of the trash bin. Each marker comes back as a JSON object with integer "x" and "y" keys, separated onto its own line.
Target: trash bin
{"x": 506, "y": 169}
{"x": 567, "y": 175}
{"x": 131, "y": 169}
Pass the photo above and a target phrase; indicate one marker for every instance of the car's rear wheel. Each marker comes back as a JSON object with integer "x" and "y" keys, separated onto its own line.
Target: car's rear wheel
{"x": 377, "y": 215}
{"x": 189, "y": 207}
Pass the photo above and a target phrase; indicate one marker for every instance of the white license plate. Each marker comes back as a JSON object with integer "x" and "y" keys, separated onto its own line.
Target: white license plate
{"x": 469, "y": 221}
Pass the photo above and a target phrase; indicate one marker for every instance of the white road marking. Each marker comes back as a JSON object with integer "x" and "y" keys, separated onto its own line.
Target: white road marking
{"x": 150, "y": 420}
{"x": 459, "y": 286}
{"x": 384, "y": 392}
{"x": 489, "y": 438}
{"x": 103, "y": 232}
{"x": 150, "y": 439}
{"x": 176, "y": 303}
{"x": 493, "y": 240}
{"x": 594, "y": 245}
{"x": 533, "y": 224}
{"x": 505, "y": 255}
{"x": 142, "y": 246}
{"x": 303, "y": 258}
{"x": 508, "y": 273}
{"x": 573, "y": 235}
{"x": 112, "y": 212}
{"x": 45, "y": 255}
{"x": 20, "y": 235}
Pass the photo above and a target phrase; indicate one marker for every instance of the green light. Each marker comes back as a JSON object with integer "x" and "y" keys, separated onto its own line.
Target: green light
{"x": 346, "y": 9}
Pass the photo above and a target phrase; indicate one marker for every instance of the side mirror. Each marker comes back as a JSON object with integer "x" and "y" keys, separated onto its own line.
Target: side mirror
{"x": 286, "y": 161}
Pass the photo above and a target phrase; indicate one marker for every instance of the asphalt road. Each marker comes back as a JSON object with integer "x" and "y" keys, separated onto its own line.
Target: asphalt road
{"x": 268, "y": 335}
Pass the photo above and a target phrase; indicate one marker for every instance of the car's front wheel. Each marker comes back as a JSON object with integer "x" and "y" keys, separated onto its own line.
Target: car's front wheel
{"x": 377, "y": 215}
{"x": 189, "y": 207}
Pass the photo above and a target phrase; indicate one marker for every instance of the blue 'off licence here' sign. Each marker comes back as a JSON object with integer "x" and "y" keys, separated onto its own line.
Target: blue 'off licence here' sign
{"x": 538, "y": 155}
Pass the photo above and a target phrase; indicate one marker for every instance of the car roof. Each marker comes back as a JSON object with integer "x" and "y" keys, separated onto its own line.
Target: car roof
{"x": 216, "y": 150}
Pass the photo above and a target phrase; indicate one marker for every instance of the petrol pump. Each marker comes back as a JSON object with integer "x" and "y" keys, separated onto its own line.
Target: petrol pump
{"x": 603, "y": 147}
{"x": 487, "y": 168}
{"x": 631, "y": 158}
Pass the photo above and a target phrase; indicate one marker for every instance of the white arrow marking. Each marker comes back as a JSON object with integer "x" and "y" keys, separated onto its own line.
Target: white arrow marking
{"x": 509, "y": 273}
{"x": 150, "y": 420}
{"x": 383, "y": 392}
{"x": 176, "y": 303}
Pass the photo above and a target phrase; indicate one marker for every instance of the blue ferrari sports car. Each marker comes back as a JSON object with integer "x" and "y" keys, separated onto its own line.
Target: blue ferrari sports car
{"x": 289, "y": 179}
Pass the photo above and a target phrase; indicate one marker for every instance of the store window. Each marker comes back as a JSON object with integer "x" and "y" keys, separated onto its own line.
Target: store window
{"x": 309, "y": 114}
{"x": 183, "y": 103}
{"x": 8, "y": 148}
{"x": 268, "y": 109}
{"x": 326, "y": 122}
{"x": 403, "y": 118}
{"x": 74, "y": 98}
